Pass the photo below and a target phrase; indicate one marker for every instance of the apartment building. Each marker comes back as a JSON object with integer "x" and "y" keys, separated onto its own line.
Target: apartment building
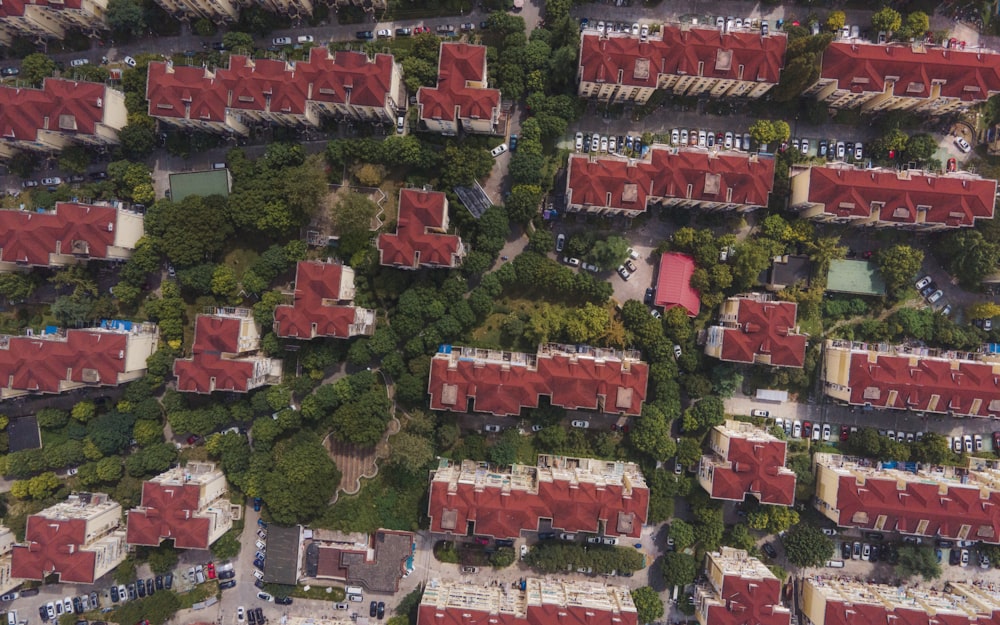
{"x": 369, "y": 6}
{"x": 746, "y": 460}
{"x": 461, "y": 100}
{"x": 919, "y": 379}
{"x": 265, "y": 91}
{"x": 218, "y": 11}
{"x": 670, "y": 177}
{"x": 740, "y": 590}
{"x": 681, "y": 59}
{"x": 188, "y": 505}
{"x": 539, "y": 602}
{"x": 573, "y": 494}
{"x": 44, "y": 19}
{"x": 70, "y": 234}
{"x": 421, "y": 238}
{"x": 323, "y": 305}
{"x": 226, "y": 355}
{"x": 827, "y": 600}
{"x": 754, "y": 329}
{"x": 942, "y": 502}
{"x": 60, "y": 114}
{"x": 79, "y": 540}
{"x": 572, "y": 376}
{"x": 7, "y": 581}
{"x": 890, "y": 198}
{"x": 916, "y": 77}
{"x": 64, "y": 360}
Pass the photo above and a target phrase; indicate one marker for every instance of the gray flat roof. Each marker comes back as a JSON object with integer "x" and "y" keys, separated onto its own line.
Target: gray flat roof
{"x": 23, "y": 434}
{"x": 282, "y": 564}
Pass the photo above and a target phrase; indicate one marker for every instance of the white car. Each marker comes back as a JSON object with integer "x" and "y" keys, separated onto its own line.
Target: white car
{"x": 644, "y": 31}
{"x": 560, "y": 242}
{"x": 922, "y": 282}
{"x": 258, "y": 575}
{"x": 967, "y": 440}
{"x": 68, "y": 605}
{"x": 611, "y": 144}
{"x": 123, "y": 593}
{"x": 737, "y": 142}
{"x": 51, "y": 182}
{"x": 728, "y": 141}
{"x": 129, "y": 61}
{"x": 281, "y": 41}
{"x": 492, "y": 428}
{"x": 797, "y": 429}
{"x": 866, "y": 552}
{"x": 635, "y": 30}
{"x": 600, "y": 27}
{"x": 575, "y": 262}
{"x": 957, "y": 444}
{"x": 579, "y": 141}
{"x": 305, "y": 39}
{"x": 841, "y": 150}
{"x": 805, "y": 147}
{"x": 675, "y": 136}
{"x": 500, "y": 149}
{"x": 962, "y": 144}
{"x": 684, "y": 136}
{"x": 604, "y": 144}
{"x": 595, "y": 142}
{"x": 702, "y": 139}
{"x": 859, "y": 151}
{"x": 51, "y": 609}
{"x": 826, "y": 431}
{"x": 79, "y": 62}
{"x": 580, "y": 424}
{"x": 240, "y": 614}
{"x": 677, "y": 351}
{"x": 623, "y": 272}
{"x": 385, "y": 33}
{"x": 935, "y": 296}
{"x": 524, "y": 551}
{"x": 816, "y": 433}
{"x": 761, "y": 413}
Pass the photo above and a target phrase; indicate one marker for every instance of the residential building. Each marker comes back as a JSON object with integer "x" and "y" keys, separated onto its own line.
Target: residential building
{"x": 323, "y": 305}
{"x": 786, "y": 271}
{"x": 682, "y": 60}
{"x": 569, "y": 494}
{"x": 669, "y": 177}
{"x": 218, "y": 11}
{"x": 943, "y": 502}
{"x": 571, "y": 376}
{"x": 741, "y": 590}
{"x": 754, "y": 329}
{"x": 377, "y": 565}
{"x": 673, "y": 284}
{"x": 187, "y": 504}
{"x": 746, "y": 460}
{"x": 461, "y": 99}
{"x": 58, "y": 361}
{"x": 890, "y": 198}
{"x": 295, "y": 9}
{"x": 832, "y": 600}
{"x": 538, "y": 602}
{"x": 265, "y": 91}
{"x": 421, "y": 238}
{"x": 960, "y": 384}
{"x": 369, "y": 6}
{"x": 915, "y": 77}
{"x": 80, "y": 540}
{"x": 7, "y": 581}
{"x": 44, "y": 19}
{"x": 226, "y": 355}
{"x": 72, "y": 233}
{"x": 60, "y": 114}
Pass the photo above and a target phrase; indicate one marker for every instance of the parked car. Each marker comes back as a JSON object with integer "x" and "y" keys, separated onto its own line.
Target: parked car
{"x": 51, "y": 182}
{"x": 281, "y": 41}
{"x": 129, "y": 61}
{"x": 305, "y": 39}
{"x": 580, "y": 424}
{"x": 964, "y": 146}
{"x": 364, "y": 34}
{"x": 623, "y": 272}
{"x": 760, "y": 413}
{"x": 935, "y": 296}
{"x": 500, "y": 149}
{"x": 79, "y": 62}
{"x": 384, "y": 33}
{"x": 923, "y": 282}
{"x": 826, "y": 431}
{"x": 560, "y": 242}
{"x": 403, "y": 32}
{"x": 769, "y": 550}
{"x": 492, "y": 428}
{"x": 10, "y": 71}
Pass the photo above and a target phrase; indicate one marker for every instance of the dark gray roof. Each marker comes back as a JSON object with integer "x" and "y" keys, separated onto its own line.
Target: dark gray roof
{"x": 382, "y": 574}
{"x": 23, "y": 434}
{"x": 787, "y": 270}
{"x": 281, "y": 565}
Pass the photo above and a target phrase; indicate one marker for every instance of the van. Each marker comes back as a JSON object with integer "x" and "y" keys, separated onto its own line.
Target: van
{"x": 12, "y": 617}
{"x": 354, "y": 590}
{"x": 835, "y": 564}
{"x": 218, "y": 165}
{"x": 676, "y": 591}
{"x": 400, "y": 124}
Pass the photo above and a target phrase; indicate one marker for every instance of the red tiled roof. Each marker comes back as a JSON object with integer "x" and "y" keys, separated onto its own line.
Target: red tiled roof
{"x": 912, "y": 383}
{"x": 673, "y": 283}
{"x": 969, "y": 76}
{"x": 317, "y": 289}
{"x": 865, "y": 613}
{"x": 749, "y": 601}
{"x": 461, "y": 90}
{"x": 65, "y": 106}
{"x": 503, "y": 390}
{"x": 949, "y": 200}
{"x": 729, "y": 178}
{"x": 12, "y": 8}
{"x": 263, "y": 85}
{"x": 545, "y": 614}
{"x": 329, "y": 77}
{"x": 15, "y": 8}
{"x": 905, "y": 508}
{"x": 168, "y": 511}
{"x": 38, "y": 365}
{"x": 184, "y": 92}
{"x": 679, "y": 52}
{"x": 765, "y": 328}
{"x": 53, "y": 545}
{"x": 419, "y": 239}
{"x": 216, "y": 335}
{"x": 757, "y": 468}
{"x": 573, "y": 507}
{"x": 30, "y": 238}
{"x": 213, "y": 337}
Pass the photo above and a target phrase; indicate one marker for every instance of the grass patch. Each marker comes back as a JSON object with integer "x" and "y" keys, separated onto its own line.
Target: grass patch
{"x": 240, "y": 260}
{"x": 392, "y": 499}
{"x": 200, "y": 592}
{"x": 321, "y": 593}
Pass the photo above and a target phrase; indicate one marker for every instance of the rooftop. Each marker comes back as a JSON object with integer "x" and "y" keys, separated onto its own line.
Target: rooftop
{"x": 81, "y": 230}
{"x": 421, "y": 236}
{"x": 461, "y": 90}
{"x": 322, "y": 305}
{"x": 756, "y": 329}
{"x": 673, "y": 283}
{"x": 377, "y": 568}
{"x": 741, "y": 590}
{"x": 178, "y": 505}
{"x": 63, "y": 106}
{"x": 750, "y": 460}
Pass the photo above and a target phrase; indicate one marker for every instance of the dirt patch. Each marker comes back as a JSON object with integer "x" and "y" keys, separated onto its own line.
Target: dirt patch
{"x": 356, "y": 462}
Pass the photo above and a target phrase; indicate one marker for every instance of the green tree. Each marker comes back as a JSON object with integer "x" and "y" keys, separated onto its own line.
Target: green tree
{"x": 304, "y": 478}
{"x": 228, "y": 546}
{"x": 648, "y": 604}
{"x": 238, "y": 42}
{"x": 807, "y": 546}
{"x": 189, "y": 231}
{"x": 899, "y": 265}
{"x": 918, "y": 560}
{"x": 678, "y": 568}
{"x": 410, "y": 452}
{"x": 503, "y": 557}
{"x": 37, "y": 67}
{"x": 836, "y": 21}
{"x": 162, "y": 559}
{"x": 682, "y": 533}
{"x": 887, "y": 19}
{"x": 651, "y": 433}
{"x": 75, "y": 159}
{"x": 138, "y": 142}
{"x": 706, "y": 413}
{"x": 969, "y": 256}
{"x": 918, "y": 23}
{"x": 126, "y": 17}
{"x": 523, "y": 203}
{"x": 83, "y": 411}
{"x": 921, "y": 147}
{"x": 224, "y": 283}
{"x": 353, "y": 216}
{"x": 763, "y": 131}
{"x": 609, "y": 253}
{"x": 688, "y": 451}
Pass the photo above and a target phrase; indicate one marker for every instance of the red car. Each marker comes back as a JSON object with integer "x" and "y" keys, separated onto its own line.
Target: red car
{"x": 210, "y": 570}
{"x": 952, "y": 164}
{"x": 845, "y": 432}
{"x": 996, "y": 441}
{"x": 806, "y": 429}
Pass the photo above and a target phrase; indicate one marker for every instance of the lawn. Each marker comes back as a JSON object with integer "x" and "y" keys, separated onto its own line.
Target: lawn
{"x": 490, "y": 334}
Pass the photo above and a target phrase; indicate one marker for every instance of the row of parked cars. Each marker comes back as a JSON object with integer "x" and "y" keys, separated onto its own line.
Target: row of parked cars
{"x": 708, "y": 139}
{"x": 609, "y": 144}
{"x": 974, "y": 442}
{"x": 929, "y": 291}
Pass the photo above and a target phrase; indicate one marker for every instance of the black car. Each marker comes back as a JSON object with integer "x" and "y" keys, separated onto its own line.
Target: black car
{"x": 381, "y": 609}
{"x": 140, "y": 588}
{"x": 10, "y": 71}
{"x": 218, "y": 45}
{"x": 94, "y": 603}
{"x": 159, "y": 582}
{"x": 131, "y": 592}
{"x": 770, "y": 550}
{"x": 77, "y": 605}
{"x": 77, "y": 178}
{"x": 873, "y": 536}
{"x": 845, "y": 551}
{"x": 227, "y": 574}
{"x": 114, "y": 594}
{"x": 403, "y": 32}
{"x": 251, "y": 617}
{"x": 955, "y": 557}
{"x": 259, "y": 564}
{"x": 98, "y": 175}
{"x": 259, "y": 584}
{"x": 546, "y": 535}
{"x": 373, "y": 609}
{"x": 150, "y": 587}
{"x": 229, "y": 583}
{"x": 168, "y": 580}
{"x": 648, "y": 298}
{"x": 42, "y": 612}
{"x": 875, "y": 552}
{"x": 620, "y": 146}
{"x": 260, "y": 615}
{"x": 283, "y": 600}
{"x": 364, "y": 34}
